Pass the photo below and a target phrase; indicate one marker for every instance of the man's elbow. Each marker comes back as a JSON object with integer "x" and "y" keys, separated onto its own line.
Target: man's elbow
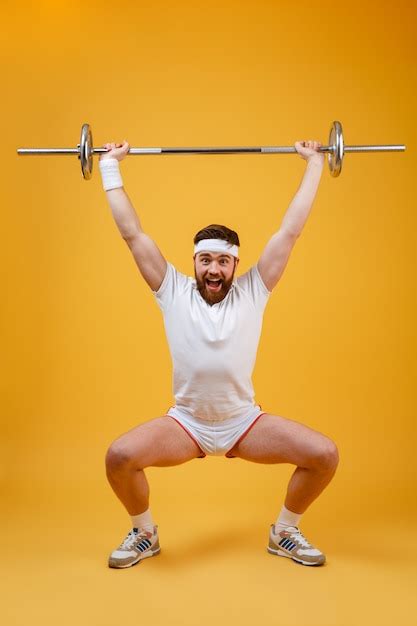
{"x": 131, "y": 235}
{"x": 290, "y": 232}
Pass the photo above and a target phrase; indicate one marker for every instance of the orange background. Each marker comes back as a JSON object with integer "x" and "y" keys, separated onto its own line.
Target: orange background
{"x": 84, "y": 352}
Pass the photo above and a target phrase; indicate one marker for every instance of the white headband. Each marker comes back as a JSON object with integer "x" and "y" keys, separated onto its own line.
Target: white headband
{"x": 216, "y": 245}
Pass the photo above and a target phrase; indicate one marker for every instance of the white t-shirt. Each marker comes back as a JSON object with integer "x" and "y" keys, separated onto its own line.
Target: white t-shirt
{"x": 213, "y": 348}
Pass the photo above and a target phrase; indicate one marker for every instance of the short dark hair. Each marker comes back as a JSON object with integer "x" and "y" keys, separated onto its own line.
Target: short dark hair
{"x": 217, "y": 231}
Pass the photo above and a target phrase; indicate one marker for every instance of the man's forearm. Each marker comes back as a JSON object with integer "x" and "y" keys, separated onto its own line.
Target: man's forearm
{"x": 123, "y": 212}
{"x": 299, "y": 209}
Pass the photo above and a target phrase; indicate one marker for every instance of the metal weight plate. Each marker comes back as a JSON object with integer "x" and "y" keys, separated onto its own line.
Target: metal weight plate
{"x": 86, "y": 151}
{"x": 335, "y": 157}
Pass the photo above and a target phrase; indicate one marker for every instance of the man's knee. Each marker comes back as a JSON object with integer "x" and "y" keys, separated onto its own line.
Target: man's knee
{"x": 326, "y": 455}
{"x": 119, "y": 457}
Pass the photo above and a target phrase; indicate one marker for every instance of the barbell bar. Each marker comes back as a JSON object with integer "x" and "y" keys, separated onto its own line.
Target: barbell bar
{"x": 335, "y": 150}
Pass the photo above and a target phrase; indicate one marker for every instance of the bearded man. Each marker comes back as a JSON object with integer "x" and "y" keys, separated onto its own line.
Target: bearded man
{"x": 213, "y": 324}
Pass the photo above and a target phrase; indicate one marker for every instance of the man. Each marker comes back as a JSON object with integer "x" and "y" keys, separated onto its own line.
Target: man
{"x": 213, "y": 324}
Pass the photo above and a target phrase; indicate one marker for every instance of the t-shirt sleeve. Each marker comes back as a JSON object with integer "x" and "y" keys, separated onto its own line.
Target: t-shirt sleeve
{"x": 174, "y": 283}
{"x": 252, "y": 284}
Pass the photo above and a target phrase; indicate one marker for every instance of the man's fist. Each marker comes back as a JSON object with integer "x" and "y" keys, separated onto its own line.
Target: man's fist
{"x": 309, "y": 150}
{"x": 115, "y": 151}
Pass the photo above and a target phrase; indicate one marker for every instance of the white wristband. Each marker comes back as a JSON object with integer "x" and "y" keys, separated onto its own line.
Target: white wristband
{"x": 110, "y": 174}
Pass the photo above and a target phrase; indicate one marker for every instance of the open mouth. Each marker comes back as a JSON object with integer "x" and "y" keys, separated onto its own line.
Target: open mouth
{"x": 214, "y": 285}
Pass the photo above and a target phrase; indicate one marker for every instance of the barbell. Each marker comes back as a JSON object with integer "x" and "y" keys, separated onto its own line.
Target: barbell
{"x": 335, "y": 150}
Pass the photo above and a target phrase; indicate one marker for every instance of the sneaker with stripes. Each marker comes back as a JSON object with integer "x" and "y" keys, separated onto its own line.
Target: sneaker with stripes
{"x": 139, "y": 544}
{"x": 291, "y": 543}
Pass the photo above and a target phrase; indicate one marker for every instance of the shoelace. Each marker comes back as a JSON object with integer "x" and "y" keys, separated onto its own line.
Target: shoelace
{"x": 297, "y": 536}
{"x": 131, "y": 539}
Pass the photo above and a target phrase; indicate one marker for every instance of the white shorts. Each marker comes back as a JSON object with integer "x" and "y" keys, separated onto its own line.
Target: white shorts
{"x": 216, "y": 438}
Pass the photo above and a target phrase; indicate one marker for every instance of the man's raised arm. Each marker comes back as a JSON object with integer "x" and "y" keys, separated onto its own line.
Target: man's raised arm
{"x": 277, "y": 251}
{"x": 147, "y": 255}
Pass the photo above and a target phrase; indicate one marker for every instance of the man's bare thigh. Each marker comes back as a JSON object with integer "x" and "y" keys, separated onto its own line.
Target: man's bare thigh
{"x": 275, "y": 439}
{"x": 159, "y": 442}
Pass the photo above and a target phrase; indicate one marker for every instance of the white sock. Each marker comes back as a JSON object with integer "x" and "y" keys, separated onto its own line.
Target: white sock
{"x": 143, "y": 520}
{"x": 287, "y": 518}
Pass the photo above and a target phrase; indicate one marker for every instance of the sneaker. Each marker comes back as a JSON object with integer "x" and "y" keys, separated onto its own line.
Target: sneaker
{"x": 292, "y": 544}
{"x": 138, "y": 545}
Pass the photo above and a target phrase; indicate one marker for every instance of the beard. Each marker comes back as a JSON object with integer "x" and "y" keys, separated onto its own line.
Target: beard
{"x": 212, "y": 297}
